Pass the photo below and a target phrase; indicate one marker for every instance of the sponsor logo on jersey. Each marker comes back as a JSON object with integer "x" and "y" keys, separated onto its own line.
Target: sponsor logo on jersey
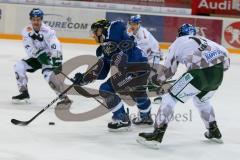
{"x": 60, "y": 22}
{"x": 183, "y": 95}
{"x": 125, "y": 81}
{"x": 211, "y": 55}
{"x": 232, "y": 34}
{"x": 181, "y": 84}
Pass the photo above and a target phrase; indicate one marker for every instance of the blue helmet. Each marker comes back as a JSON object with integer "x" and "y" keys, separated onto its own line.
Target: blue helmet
{"x": 135, "y": 19}
{"x": 186, "y": 29}
{"x": 36, "y": 12}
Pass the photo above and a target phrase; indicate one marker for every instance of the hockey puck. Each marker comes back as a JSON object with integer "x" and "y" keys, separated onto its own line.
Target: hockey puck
{"x": 51, "y": 123}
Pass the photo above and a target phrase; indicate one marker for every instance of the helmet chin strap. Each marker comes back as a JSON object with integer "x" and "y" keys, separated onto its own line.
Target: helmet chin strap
{"x": 101, "y": 38}
{"x": 38, "y": 29}
{"x": 135, "y": 32}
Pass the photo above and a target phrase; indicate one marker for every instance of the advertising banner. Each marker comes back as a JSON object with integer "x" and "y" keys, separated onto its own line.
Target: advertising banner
{"x": 227, "y": 7}
{"x": 209, "y": 28}
{"x": 68, "y": 22}
{"x": 231, "y": 34}
{"x": 162, "y": 3}
{"x": 182, "y": 7}
{"x": 164, "y": 28}
{"x": 74, "y": 24}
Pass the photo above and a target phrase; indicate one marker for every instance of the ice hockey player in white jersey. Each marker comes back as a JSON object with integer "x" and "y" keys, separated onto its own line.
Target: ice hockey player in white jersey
{"x": 206, "y": 62}
{"x": 146, "y": 41}
{"x": 44, "y": 52}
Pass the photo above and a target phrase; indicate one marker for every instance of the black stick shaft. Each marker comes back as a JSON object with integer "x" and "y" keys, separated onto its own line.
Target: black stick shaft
{"x": 51, "y": 103}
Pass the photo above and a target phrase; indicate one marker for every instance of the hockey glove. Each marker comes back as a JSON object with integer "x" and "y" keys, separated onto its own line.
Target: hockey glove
{"x": 56, "y": 61}
{"x": 36, "y": 36}
{"x": 78, "y": 79}
{"x": 163, "y": 86}
{"x": 99, "y": 51}
{"x": 43, "y": 57}
{"x": 84, "y": 79}
{"x": 56, "y": 64}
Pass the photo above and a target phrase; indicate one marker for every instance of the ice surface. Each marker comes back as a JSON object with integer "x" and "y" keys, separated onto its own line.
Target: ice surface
{"x": 91, "y": 140}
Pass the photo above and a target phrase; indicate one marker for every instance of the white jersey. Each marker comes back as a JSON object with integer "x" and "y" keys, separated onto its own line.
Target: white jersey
{"x": 195, "y": 52}
{"x": 49, "y": 43}
{"x": 146, "y": 42}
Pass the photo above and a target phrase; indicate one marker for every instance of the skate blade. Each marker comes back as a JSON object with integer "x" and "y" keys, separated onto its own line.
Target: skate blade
{"x": 65, "y": 103}
{"x": 23, "y": 101}
{"x": 157, "y": 101}
{"x": 215, "y": 140}
{"x": 148, "y": 144}
{"x": 63, "y": 106}
{"x": 122, "y": 129}
{"x": 143, "y": 126}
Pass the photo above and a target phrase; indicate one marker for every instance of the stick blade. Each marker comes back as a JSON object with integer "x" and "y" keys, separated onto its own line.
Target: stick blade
{"x": 19, "y": 123}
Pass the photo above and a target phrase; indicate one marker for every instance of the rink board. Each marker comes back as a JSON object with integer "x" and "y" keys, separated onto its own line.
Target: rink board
{"x": 73, "y": 24}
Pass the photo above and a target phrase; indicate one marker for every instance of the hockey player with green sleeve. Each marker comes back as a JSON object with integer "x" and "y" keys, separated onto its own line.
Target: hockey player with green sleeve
{"x": 206, "y": 62}
{"x": 43, "y": 52}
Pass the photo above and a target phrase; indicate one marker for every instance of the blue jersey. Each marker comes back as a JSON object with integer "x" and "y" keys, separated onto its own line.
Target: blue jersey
{"x": 122, "y": 48}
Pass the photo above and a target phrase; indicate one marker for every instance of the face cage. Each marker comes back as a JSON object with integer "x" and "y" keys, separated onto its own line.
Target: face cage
{"x": 35, "y": 17}
{"x": 94, "y": 34}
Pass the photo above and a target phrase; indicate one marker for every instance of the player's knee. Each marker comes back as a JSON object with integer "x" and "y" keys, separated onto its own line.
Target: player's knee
{"x": 48, "y": 75}
{"x": 106, "y": 90}
{"x": 203, "y": 106}
{"x": 19, "y": 67}
{"x": 168, "y": 100}
{"x": 54, "y": 82}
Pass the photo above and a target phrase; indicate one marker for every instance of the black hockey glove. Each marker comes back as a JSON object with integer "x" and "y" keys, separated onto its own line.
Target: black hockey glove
{"x": 84, "y": 79}
{"x": 163, "y": 87}
{"x": 36, "y": 36}
{"x": 99, "y": 51}
{"x": 78, "y": 79}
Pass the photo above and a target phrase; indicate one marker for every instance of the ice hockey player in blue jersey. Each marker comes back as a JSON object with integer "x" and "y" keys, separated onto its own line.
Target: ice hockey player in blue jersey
{"x": 118, "y": 49}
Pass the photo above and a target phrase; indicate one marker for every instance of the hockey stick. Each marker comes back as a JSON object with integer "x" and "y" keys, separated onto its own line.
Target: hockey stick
{"x": 25, "y": 123}
{"x": 79, "y": 89}
{"x": 83, "y": 92}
